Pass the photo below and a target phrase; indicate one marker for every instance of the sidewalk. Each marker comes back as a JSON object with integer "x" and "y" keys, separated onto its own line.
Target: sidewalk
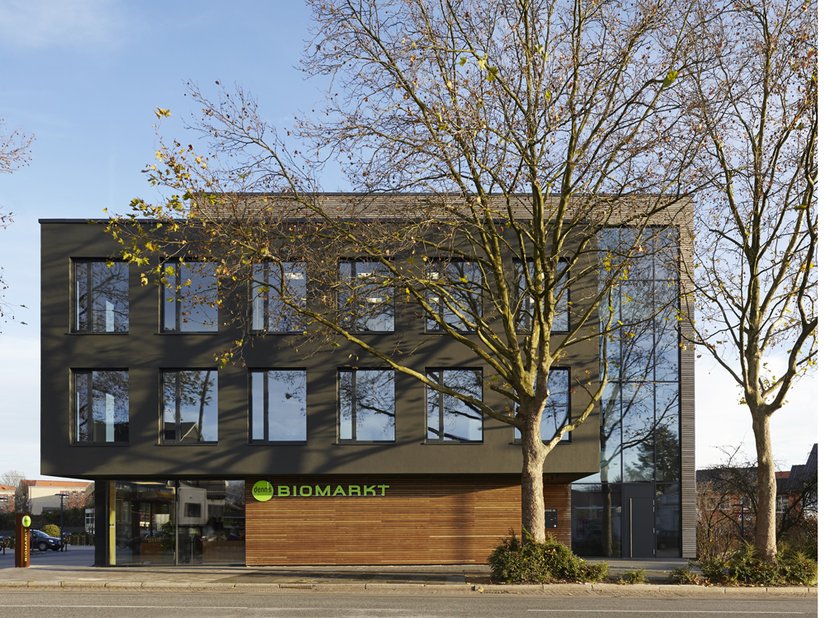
{"x": 462, "y": 579}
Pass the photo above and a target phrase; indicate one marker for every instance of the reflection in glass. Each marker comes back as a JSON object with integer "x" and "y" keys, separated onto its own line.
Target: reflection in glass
{"x": 179, "y": 522}
{"x": 596, "y": 524}
{"x": 666, "y": 256}
{"x": 101, "y": 297}
{"x": 668, "y": 520}
{"x": 448, "y": 418}
{"x": 637, "y": 432}
{"x": 640, "y": 433}
{"x": 101, "y": 407}
{"x": 666, "y": 330}
{"x": 366, "y": 296}
{"x": 666, "y": 434}
{"x": 611, "y": 434}
{"x": 459, "y": 305}
{"x": 279, "y": 411}
{"x": 557, "y": 407}
{"x": 366, "y": 404}
{"x": 144, "y": 521}
{"x": 190, "y": 297}
{"x": 210, "y": 522}
{"x": 190, "y": 406}
{"x": 524, "y": 310}
{"x": 276, "y": 286}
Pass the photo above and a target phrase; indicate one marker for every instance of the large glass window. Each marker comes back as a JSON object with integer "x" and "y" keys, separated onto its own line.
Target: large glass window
{"x": 101, "y": 407}
{"x": 190, "y": 406}
{"x": 277, "y": 288}
{"x": 458, "y": 301}
{"x": 101, "y": 296}
{"x": 449, "y": 419}
{"x": 366, "y": 296}
{"x": 640, "y": 432}
{"x": 557, "y": 407}
{"x": 179, "y": 522}
{"x": 279, "y": 405}
{"x": 366, "y": 405}
{"x": 526, "y": 302}
{"x": 190, "y": 297}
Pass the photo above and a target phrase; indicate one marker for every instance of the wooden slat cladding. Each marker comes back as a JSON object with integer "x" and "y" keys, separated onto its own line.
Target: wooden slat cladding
{"x": 420, "y": 520}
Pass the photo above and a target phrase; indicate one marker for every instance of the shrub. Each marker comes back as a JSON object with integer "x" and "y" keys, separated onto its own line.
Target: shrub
{"x": 51, "y": 530}
{"x": 744, "y": 568}
{"x": 633, "y": 577}
{"x": 528, "y": 562}
{"x": 797, "y": 569}
{"x": 685, "y": 575}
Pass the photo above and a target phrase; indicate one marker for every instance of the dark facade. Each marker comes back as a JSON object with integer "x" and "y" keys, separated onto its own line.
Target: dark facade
{"x": 132, "y": 398}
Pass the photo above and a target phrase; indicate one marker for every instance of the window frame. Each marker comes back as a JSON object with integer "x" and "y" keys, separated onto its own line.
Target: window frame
{"x": 441, "y": 395}
{"x": 88, "y": 373}
{"x": 353, "y": 372}
{"x": 567, "y": 436}
{"x": 75, "y": 312}
{"x": 433, "y": 327}
{"x": 270, "y": 295}
{"x": 524, "y": 315}
{"x": 352, "y": 322}
{"x": 161, "y": 417}
{"x": 265, "y": 413}
{"x": 178, "y": 291}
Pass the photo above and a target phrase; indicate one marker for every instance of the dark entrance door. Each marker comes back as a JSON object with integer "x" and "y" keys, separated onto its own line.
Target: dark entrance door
{"x": 638, "y": 528}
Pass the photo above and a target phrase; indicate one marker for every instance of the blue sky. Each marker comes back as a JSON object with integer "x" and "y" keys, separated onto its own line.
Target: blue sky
{"x": 84, "y": 77}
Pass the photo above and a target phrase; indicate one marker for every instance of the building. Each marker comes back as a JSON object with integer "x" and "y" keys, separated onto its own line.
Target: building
{"x": 7, "y": 493}
{"x": 727, "y": 501}
{"x": 314, "y": 459}
{"x": 45, "y": 495}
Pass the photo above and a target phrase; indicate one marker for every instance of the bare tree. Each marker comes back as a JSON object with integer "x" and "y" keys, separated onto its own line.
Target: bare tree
{"x": 728, "y": 506}
{"x": 755, "y": 102}
{"x": 516, "y": 130}
{"x": 14, "y": 153}
{"x": 11, "y": 477}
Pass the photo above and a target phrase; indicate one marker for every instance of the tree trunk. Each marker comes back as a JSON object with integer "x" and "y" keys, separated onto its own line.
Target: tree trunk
{"x": 765, "y": 540}
{"x": 532, "y": 481}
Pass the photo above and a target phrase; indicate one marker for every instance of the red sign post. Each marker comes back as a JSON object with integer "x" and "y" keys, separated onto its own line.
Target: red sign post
{"x": 23, "y": 542}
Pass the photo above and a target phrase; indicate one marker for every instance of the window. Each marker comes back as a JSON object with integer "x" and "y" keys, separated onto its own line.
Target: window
{"x": 366, "y": 297}
{"x": 276, "y": 286}
{"x": 557, "y": 407}
{"x": 458, "y": 301}
{"x": 781, "y": 504}
{"x": 190, "y": 406}
{"x": 279, "y": 405}
{"x": 449, "y": 419}
{"x": 524, "y": 310}
{"x": 190, "y": 297}
{"x": 101, "y": 407}
{"x": 366, "y": 405}
{"x": 101, "y": 297}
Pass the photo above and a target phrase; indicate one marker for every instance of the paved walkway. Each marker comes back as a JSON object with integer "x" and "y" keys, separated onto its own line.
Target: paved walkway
{"x": 463, "y": 579}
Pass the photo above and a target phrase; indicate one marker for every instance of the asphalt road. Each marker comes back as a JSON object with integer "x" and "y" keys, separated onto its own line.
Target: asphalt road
{"x": 82, "y": 556}
{"x": 90, "y": 603}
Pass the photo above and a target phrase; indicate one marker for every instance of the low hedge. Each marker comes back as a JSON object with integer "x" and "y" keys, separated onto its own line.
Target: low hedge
{"x": 528, "y": 562}
{"x": 745, "y": 568}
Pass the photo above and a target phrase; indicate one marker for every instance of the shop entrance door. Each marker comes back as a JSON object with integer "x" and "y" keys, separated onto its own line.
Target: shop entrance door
{"x": 638, "y": 528}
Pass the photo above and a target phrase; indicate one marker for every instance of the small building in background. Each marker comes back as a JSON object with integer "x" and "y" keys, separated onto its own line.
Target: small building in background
{"x": 45, "y": 495}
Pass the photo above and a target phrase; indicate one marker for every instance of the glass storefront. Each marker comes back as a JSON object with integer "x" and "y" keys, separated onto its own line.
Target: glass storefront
{"x": 639, "y": 481}
{"x": 179, "y": 522}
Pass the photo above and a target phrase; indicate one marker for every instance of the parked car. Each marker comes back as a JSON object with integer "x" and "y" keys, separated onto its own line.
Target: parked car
{"x": 43, "y": 541}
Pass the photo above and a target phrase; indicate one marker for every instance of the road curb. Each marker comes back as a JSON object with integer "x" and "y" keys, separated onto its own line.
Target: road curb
{"x": 595, "y": 589}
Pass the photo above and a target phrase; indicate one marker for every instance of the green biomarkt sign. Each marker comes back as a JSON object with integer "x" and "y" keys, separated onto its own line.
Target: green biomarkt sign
{"x": 26, "y": 521}
{"x": 263, "y": 491}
